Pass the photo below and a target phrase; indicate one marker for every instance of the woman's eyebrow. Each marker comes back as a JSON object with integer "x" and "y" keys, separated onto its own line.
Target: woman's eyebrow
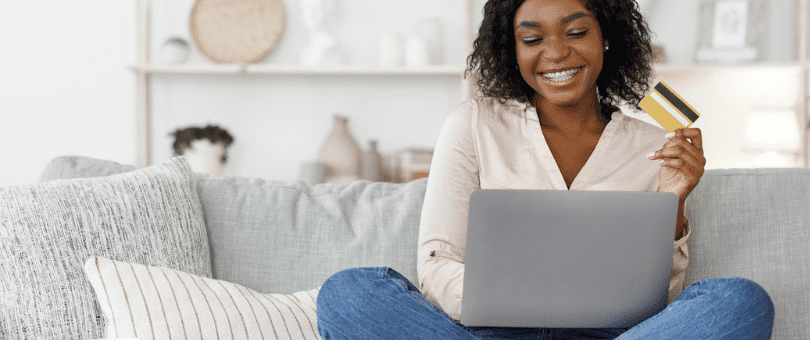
{"x": 565, "y": 20}
{"x": 575, "y": 16}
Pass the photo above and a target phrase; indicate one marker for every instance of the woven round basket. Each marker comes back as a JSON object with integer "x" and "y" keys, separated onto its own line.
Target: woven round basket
{"x": 237, "y": 31}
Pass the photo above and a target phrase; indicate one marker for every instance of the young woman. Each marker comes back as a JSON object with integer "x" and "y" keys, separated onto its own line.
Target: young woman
{"x": 552, "y": 73}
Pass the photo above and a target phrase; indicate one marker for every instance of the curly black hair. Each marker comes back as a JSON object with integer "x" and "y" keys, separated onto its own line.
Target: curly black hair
{"x": 627, "y": 69}
{"x": 184, "y": 137}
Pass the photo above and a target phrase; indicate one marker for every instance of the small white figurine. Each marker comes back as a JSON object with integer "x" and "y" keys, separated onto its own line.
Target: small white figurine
{"x": 322, "y": 48}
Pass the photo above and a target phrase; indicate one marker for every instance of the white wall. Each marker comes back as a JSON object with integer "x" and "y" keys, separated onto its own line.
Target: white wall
{"x": 63, "y": 86}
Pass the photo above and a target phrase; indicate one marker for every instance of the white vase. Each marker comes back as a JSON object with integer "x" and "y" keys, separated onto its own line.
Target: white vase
{"x": 416, "y": 52}
{"x": 341, "y": 153}
{"x": 431, "y": 30}
{"x": 371, "y": 165}
{"x": 390, "y": 50}
{"x": 204, "y": 156}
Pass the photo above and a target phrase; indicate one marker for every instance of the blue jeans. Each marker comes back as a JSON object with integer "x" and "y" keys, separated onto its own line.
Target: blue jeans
{"x": 379, "y": 303}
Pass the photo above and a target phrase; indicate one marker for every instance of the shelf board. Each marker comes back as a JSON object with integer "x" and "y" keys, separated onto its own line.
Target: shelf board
{"x": 286, "y": 69}
{"x": 670, "y": 68}
{"x": 436, "y": 70}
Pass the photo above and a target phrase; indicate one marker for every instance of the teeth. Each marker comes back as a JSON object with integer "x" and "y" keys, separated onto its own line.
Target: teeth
{"x": 560, "y": 76}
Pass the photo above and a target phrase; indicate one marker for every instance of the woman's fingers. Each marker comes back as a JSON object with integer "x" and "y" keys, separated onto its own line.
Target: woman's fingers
{"x": 694, "y": 135}
{"x": 680, "y": 150}
{"x": 679, "y": 146}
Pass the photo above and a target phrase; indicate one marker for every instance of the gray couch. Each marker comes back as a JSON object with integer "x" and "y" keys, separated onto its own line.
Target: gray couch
{"x": 287, "y": 236}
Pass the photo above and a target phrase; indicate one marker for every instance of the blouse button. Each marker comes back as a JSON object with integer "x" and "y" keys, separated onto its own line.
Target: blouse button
{"x": 433, "y": 253}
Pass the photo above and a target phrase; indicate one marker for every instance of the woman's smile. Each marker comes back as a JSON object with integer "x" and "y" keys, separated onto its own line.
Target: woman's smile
{"x": 559, "y": 76}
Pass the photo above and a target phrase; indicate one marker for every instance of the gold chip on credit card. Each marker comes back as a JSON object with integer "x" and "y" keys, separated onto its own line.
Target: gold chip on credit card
{"x": 668, "y": 108}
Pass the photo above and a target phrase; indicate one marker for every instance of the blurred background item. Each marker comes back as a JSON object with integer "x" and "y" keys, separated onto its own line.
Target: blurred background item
{"x": 206, "y": 148}
{"x": 322, "y": 48}
{"x": 371, "y": 164}
{"x": 390, "y": 50}
{"x": 340, "y": 153}
{"x": 174, "y": 51}
{"x": 413, "y": 163}
{"x": 312, "y": 172}
{"x": 773, "y": 135}
{"x": 244, "y": 31}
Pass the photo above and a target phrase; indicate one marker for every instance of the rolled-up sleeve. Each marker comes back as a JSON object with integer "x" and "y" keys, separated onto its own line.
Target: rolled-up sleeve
{"x": 680, "y": 253}
{"x": 443, "y": 225}
{"x": 680, "y": 260}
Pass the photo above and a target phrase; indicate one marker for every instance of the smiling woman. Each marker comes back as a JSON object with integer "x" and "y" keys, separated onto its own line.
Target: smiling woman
{"x": 624, "y": 33}
{"x": 552, "y": 73}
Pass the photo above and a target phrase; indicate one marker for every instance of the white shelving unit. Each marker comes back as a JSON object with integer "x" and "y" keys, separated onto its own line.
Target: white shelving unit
{"x": 144, "y": 69}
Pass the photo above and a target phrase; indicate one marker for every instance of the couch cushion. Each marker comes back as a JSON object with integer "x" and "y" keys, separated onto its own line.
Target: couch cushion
{"x": 66, "y": 167}
{"x": 755, "y": 223}
{"x": 48, "y": 230}
{"x": 287, "y": 236}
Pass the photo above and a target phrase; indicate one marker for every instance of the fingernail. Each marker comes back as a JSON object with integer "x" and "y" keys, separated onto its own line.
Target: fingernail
{"x": 660, "y": 161}
{"x": 670, "y": 135}
{"x": 650, "y": 155}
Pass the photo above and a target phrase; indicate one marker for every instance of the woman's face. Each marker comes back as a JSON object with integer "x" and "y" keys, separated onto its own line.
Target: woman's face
{"x": 559, "y": 50}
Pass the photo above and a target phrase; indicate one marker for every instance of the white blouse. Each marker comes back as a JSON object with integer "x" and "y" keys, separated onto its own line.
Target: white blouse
{"x": 488, "y": 145}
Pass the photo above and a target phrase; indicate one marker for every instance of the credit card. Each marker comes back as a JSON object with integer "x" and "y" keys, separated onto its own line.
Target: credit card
{"x": 668, "y": 108}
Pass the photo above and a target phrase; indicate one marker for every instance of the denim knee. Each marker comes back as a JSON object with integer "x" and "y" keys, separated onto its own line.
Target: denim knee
{"x": 745, "y": 295}
{"x": 336, "y": 298}
{"x": 340, "y": 284}
{"x": 752, "y": 293}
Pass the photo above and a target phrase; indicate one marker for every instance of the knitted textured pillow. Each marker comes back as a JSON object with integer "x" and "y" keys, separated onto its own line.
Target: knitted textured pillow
{"x": 158, "y": 303}
{"x": 48, "y": 230}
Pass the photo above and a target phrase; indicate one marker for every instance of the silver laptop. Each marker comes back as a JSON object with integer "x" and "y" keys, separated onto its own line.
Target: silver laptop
{"x": 567, "y": 259}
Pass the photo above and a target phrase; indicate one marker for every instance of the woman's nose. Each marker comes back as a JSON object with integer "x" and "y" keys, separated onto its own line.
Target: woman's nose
{"x": 556, "y": 50}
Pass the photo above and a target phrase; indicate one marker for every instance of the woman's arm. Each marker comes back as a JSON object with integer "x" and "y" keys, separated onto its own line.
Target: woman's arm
{"x": 443, "y": 224}
{"x": 682, "y": 167}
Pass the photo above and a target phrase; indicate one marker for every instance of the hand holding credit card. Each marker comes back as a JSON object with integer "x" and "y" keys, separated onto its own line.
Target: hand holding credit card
{"x": 681, "y": 156}
{"x": 668, "y": 108}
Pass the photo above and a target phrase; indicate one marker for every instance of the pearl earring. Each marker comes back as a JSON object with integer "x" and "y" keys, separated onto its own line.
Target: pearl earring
{"x": 606, "y": 47}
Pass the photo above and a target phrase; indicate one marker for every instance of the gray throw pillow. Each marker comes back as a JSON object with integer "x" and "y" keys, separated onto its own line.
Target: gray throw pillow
{"x": 151, "y": 216}
{"x": 66, "y": 167}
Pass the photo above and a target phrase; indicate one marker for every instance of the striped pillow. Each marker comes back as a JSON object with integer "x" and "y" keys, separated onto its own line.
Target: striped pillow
{"x": 158, "y": 303}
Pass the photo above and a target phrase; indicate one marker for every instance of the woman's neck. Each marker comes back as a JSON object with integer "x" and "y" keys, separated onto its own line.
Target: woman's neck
{"x": 585, "y": 116}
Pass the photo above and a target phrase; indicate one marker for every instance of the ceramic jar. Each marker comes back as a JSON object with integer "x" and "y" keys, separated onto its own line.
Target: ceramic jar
{"x": 340, "y": 153}
{"x": 390, "y": 50}
{"x": 371, "y": 164}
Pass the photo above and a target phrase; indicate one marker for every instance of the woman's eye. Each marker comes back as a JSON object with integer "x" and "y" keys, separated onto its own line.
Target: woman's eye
{"x": 532, "y": 41}
{"x": 578, "y": 34}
